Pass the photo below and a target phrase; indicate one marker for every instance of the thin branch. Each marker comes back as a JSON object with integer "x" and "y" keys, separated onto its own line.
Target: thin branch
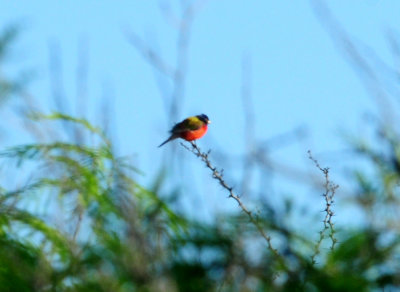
{"x": 176, "y": 73}
{"x": 218, "y": 175}
{"x": 149, "y": 54}
{"x": 56, "y": 71}
{"x": 184, "y": 33}
{"x": 249, "y": 123}
{"x": 356, "y": 59}
{"x": 81, "y": 86}
{"x": 330, "y": 190}
{"x": 78, "y": 224}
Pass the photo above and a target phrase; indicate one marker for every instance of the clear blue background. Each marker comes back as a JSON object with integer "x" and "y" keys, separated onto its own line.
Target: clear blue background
{"x": 299, "y": 77}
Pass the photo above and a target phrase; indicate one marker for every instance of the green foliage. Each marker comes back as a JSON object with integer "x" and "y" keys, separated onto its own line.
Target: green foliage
{"x": 10, "y": 86}
{"x": 102, "y": 231}
{"x": 111, "y": 234}
{"x": 120, "y": 231}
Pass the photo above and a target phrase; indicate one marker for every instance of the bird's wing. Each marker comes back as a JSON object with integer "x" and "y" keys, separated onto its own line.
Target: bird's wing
{"x": 189, "y": 124}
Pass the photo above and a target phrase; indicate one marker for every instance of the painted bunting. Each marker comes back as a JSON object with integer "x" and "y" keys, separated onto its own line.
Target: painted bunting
{"x": 189, "y": 129}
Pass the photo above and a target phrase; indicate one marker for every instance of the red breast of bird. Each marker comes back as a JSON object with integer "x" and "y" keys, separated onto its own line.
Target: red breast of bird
{"x": 194, "y": 134}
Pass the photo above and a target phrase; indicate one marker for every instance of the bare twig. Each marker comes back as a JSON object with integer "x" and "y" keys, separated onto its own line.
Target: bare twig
{"x": 82, "y": 71}
{"x": 357, "y": 60}
{"x": 218, "y": 175}
{"x": 190, "y": 10}
{"x": 78, "y": 224}
{"x": 330, "y": 190}
{"x": 56, "y": 71}
{"x": 249, "y": 134}
{"x": 82, "y": 75}
{"x": 175, "y": 74}
{"x": 149, "y": 54}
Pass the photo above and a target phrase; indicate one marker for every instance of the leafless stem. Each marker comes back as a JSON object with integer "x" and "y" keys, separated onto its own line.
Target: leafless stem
{"x": 149, "y": 54}
{"x": 358, "y": 61}
{"x": 218, "y": 175}
{"x": 78, "y": 225}
{"x": 249, "y": 120}
{"x": 330, "y": 190}
{"x": 174, "y": 73}
{"x": 56, "y": 71}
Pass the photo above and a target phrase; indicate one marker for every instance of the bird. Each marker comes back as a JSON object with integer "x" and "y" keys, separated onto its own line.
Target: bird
{"x": 189, "y": 129}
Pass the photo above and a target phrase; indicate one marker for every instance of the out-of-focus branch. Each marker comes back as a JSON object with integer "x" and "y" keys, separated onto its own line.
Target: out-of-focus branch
{"x": 78, "y": 223}
{"x": 56, "y": 73}
{"x": 355, "y": 57}
{"x": 177, "y": 73}
{"x": 395, "y": 47}
{"x": 82, "y": 72}
{"x": 149, "y": 54}
{"x": 190, "y": 10}
{"x": 82, "y": 75}
{"x": 249, "y": 127}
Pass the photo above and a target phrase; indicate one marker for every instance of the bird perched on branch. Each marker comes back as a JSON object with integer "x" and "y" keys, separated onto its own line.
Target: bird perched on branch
{"x": 189, "y": 129}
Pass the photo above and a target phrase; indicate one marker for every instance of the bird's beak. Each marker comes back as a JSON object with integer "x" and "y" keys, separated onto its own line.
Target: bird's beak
{"x": 208, "y": 122}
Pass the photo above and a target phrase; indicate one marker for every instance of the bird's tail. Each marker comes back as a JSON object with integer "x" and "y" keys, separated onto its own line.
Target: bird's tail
{"x": 172, "y": 137}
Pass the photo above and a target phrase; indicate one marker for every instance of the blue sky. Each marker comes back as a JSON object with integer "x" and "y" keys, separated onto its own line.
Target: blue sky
{"x": 299, "y": 77}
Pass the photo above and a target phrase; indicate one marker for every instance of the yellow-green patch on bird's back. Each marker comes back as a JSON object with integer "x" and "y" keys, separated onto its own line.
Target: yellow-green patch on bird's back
{"x": 189, "y": 124}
